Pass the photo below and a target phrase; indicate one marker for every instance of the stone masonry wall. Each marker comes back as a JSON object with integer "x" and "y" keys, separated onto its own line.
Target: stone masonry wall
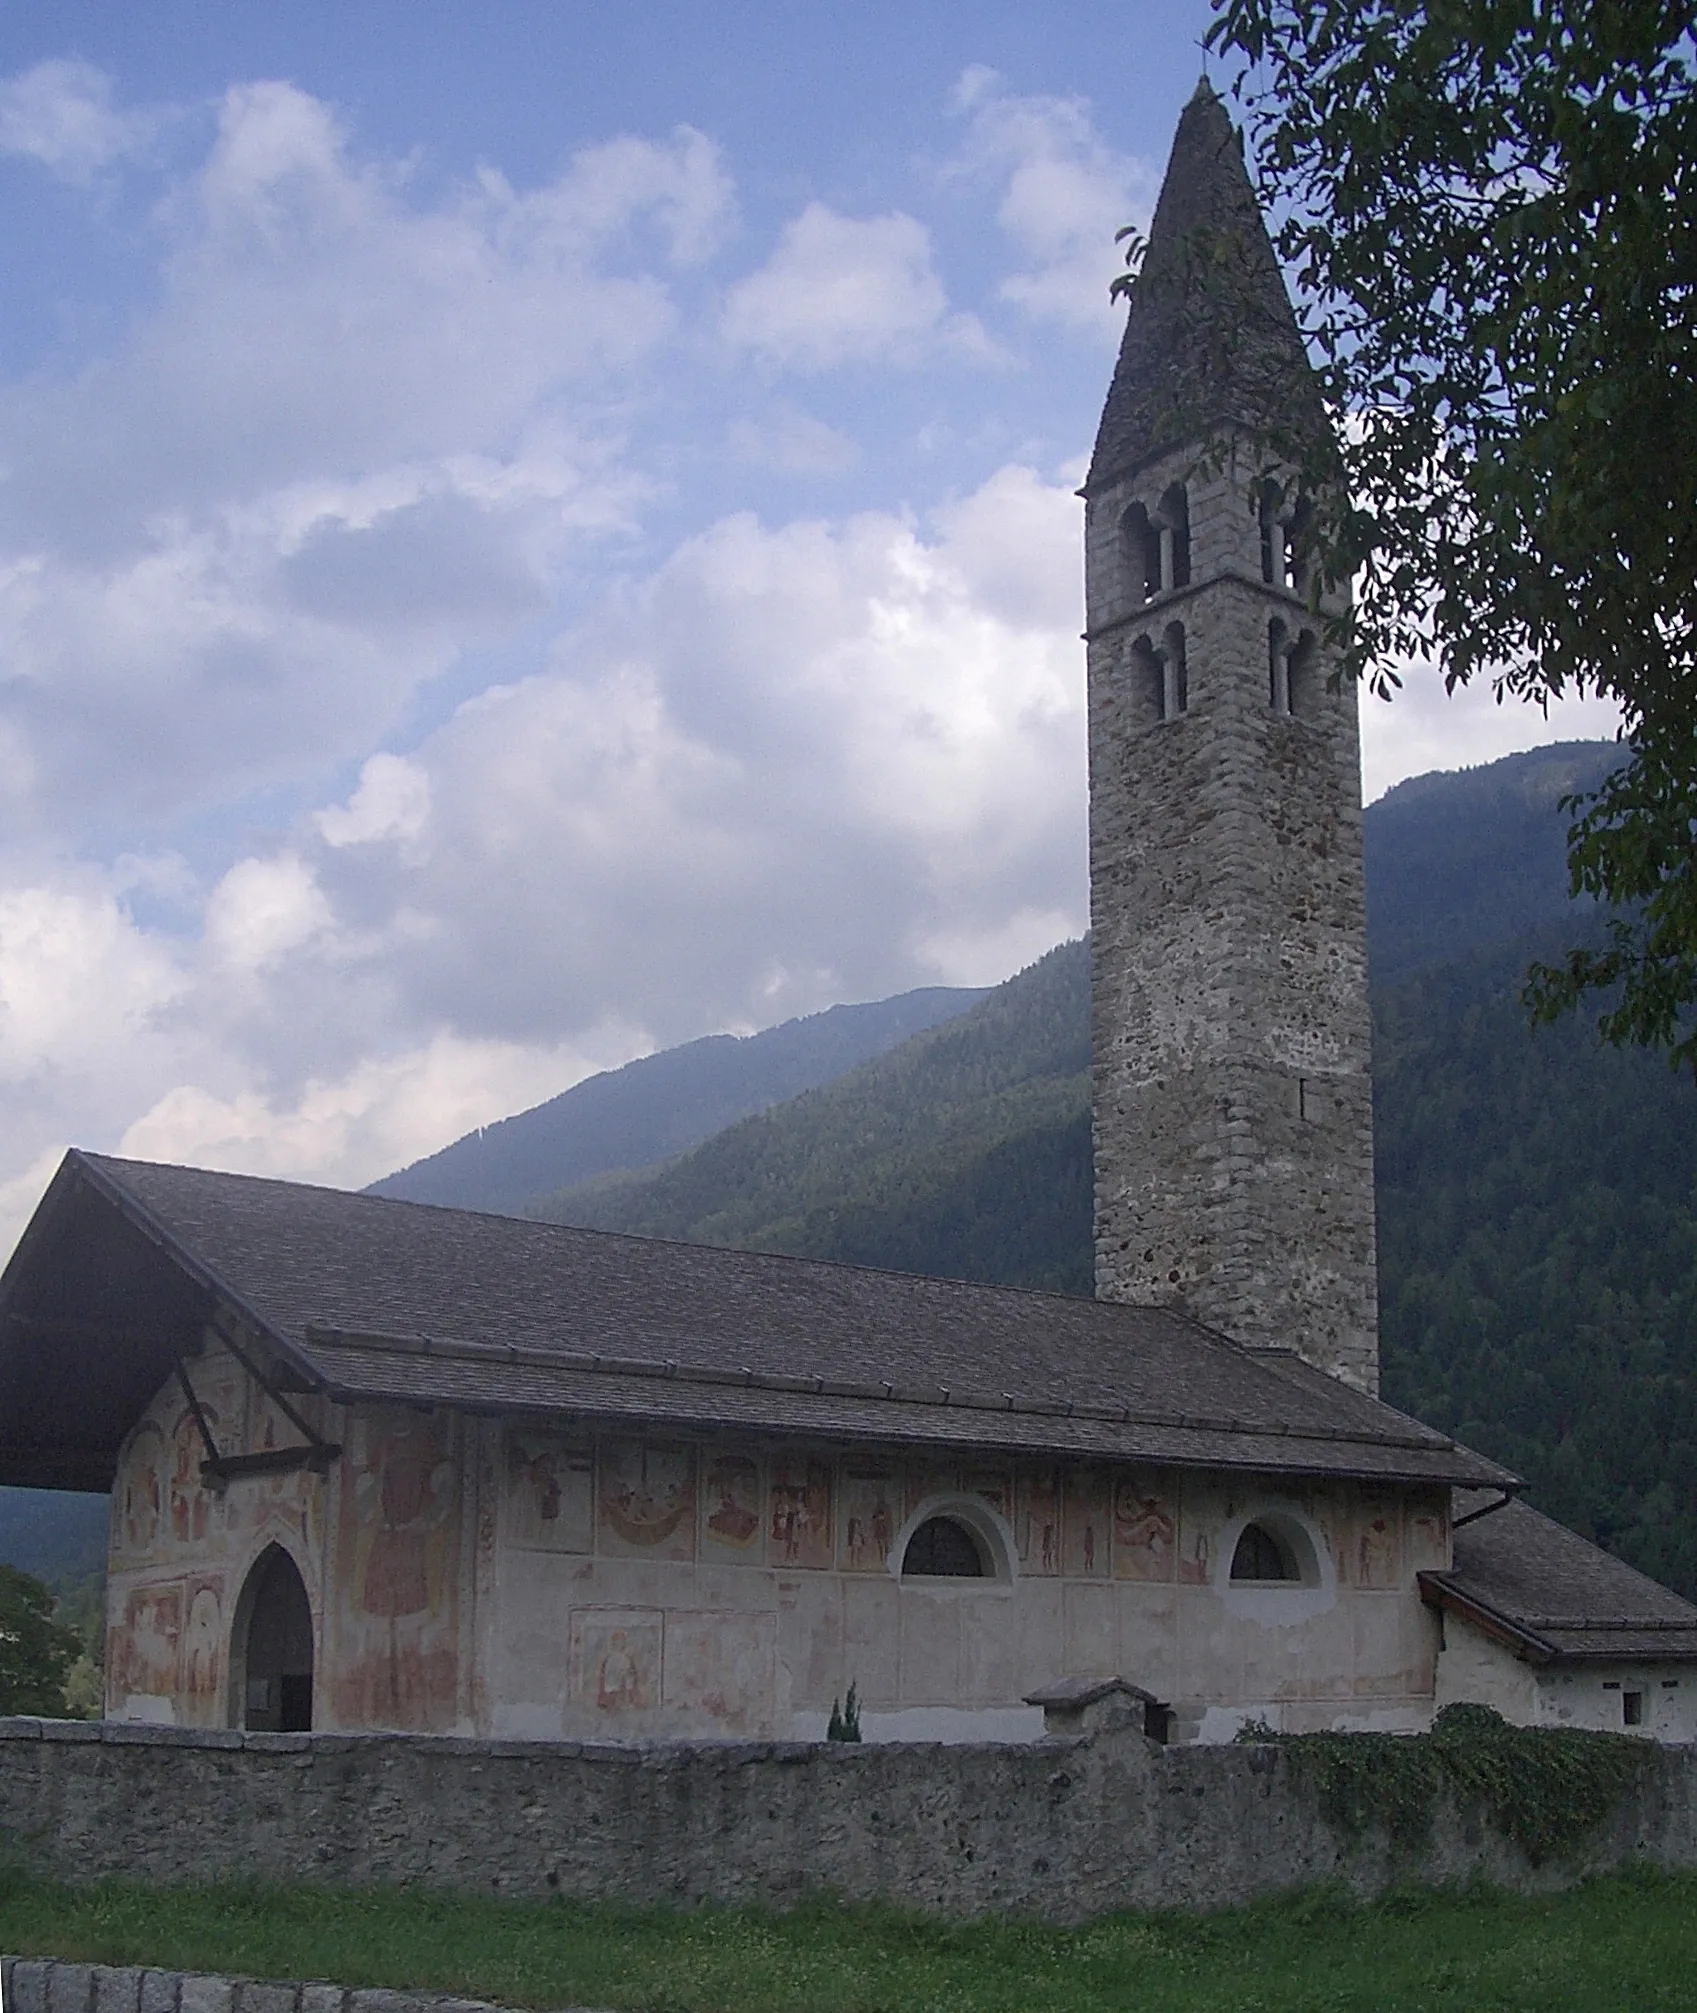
{"x": 1232, "y": 1094}
{"x": 42, "y": 1985}
{"x": 1065, "y": 1829}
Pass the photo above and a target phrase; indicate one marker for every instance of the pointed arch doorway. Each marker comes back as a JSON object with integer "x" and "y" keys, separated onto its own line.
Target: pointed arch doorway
{"x": 273, "y": 1644}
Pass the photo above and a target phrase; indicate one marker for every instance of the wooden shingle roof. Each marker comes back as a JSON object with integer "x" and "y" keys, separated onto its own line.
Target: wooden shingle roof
{"x": 370, "y": 1300}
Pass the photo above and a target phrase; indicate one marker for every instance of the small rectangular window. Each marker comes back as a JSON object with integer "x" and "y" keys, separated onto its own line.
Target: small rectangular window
{"x": 1632, "y": 1708}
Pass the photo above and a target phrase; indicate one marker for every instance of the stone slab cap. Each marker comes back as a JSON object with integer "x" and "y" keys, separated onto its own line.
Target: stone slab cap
{"x": 1097, "y": 1705}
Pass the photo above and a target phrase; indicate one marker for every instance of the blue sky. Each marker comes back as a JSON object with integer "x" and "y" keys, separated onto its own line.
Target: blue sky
{"x": 529, "y": 533}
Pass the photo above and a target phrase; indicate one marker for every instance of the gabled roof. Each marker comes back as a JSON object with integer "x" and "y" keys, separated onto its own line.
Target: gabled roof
{"x": 1211, "y": 343}
{"x": 1554, "y": 1597}
{"x": 366, "y": 1299}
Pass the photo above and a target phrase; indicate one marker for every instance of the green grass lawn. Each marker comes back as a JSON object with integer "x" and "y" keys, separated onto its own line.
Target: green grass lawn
{"x": 1627, "y": 1944}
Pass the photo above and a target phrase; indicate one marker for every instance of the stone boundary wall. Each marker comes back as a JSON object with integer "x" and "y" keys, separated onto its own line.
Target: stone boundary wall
{"x": 1063, "y": 1829}
{"x": 43, "y": 1985}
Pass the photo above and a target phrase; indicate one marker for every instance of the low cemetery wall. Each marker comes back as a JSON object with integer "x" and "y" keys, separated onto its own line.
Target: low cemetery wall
{"x": 1064, "y": 1828}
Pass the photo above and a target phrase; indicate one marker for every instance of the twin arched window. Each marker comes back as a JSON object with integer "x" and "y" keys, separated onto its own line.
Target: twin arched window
{"x": 1158, "y": 543}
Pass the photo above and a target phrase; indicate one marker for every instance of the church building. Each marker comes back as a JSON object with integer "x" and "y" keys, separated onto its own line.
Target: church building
{"x": 375, "y": 1464}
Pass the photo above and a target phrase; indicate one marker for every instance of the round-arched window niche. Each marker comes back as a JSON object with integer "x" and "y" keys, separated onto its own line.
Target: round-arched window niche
{"x": 958, "y": 1543}
{"x": 1274, "y": 1567}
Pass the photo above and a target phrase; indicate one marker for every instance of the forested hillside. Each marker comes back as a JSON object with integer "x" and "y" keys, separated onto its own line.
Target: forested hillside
{"x": 1537, "y": 1194}
{"x": 660, "y": 1105}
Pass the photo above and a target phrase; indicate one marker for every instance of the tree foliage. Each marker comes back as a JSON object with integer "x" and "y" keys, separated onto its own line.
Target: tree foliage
{"x": 1491, "y": 212}
{"x": 36, "y": 1652}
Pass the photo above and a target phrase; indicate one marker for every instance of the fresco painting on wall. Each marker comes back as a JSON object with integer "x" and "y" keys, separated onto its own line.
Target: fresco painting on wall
{"x": 614, "y": 1659}
{"x": 799, "y": 1529}
{"x": 398, "y": 1618}
{"x": 144, "y": 1654}
{"x": 550, "y": 1504}
{"x": 190, "y": 1499}
{"x": 730, "y": 1502}
{"x": 203, "y": 1657}
{"x": 1088, "y": 1517}
{"x": 1037, "y": 1520}
{"x": 868, "y": 1519}
{"x": 1145, "y": 1531}
{"x": 1378, "y": 1550}
{"x": 142, "y": 1495}
{"x": 934, "y": 1479}
{"x": 647, "y": 1500}
{"x": 991, "y": 1486}
{"x": 1428, "y": 1541}
{"x": 722, "y": 1666}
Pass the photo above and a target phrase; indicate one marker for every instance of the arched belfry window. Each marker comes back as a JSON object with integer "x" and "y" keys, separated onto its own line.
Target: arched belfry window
{"x": 1278, "y": 666}
{"x": 1175, "y": 686}
{"x": 1263, "y": 1556}
{"x": 273, "y": 1648}
{"x": 1143, "y": 552}
{"x": 1303, "y": 676}
{"x": 1275, "y": 536}
{"x": 1172, "y": 522}
{"x": 945, "y": 1548}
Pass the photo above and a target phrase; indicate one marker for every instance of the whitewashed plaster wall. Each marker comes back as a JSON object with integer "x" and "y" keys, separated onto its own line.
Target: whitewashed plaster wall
{"x": 1475, "y": 1666}
{"x": 480, "y": 1576}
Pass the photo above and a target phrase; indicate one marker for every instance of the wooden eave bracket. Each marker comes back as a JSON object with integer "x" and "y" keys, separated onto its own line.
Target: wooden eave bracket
{"x": 219, "y": 1470}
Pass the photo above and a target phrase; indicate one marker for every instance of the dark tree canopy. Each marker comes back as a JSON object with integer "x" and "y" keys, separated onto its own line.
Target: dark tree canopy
{"x": 36, "y": 1653}
{"x": 1491, "y": 212}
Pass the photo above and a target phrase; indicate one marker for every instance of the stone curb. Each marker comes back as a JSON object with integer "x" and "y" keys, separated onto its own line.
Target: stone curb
{"x": 44, "y": 1985}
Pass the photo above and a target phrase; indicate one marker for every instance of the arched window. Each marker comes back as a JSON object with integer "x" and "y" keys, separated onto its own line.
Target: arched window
{"x": 1301, "y": 677}
{"x": 1143, "y": 552}
{"x": 1278, "y": 666}
{"x": 943, "y": 1548}
{"x": 1172, "y": 524}
{"x": 1175, "y": 686}
{"x": 274, "y": 1643}
{"x": 1263, "y": 1555}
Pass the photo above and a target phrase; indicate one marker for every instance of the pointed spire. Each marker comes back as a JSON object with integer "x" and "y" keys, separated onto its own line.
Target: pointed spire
{"x": 1211, "y": 341}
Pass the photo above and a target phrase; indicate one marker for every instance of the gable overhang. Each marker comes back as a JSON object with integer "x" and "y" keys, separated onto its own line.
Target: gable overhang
{"x": 99, "y": 1306}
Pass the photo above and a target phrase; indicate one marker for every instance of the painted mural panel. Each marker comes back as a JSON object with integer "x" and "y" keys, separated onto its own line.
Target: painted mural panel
{"x": 613, "y": 1663}
{"x": 141, "y": 1495}
{"x": 993, "y": 1487}
{"x": 869, "y": 1520}
{"x": 1378, "y": 1546}
{"x": 203, "y": 1657}
{"x": 647, "y": 1500}
{"x": 935, "y": 1478}
{"x": 399, "y": 1569}
{"x": 1037, "y": 1520}
{"x": 147, "y": 1642}
{"x": 798, "y": 1530}
{"x": 190, "y": 1501}
{"x": 1089, "y": 1516}
{"x": 550, "y": 1492}
{"x": 723, "y": 1667}
{"x": 730, "y": 1509}
{"x": 1145, "y": 1530}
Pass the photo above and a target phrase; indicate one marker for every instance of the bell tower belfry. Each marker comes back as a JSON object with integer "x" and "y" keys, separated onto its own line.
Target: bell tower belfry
{"x": 1232, "y": 1096}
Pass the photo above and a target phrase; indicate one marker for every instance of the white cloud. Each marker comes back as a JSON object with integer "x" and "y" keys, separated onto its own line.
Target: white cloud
{"x": 356, "y": 437}
{"x": 787, "y": 438}
{"x": 383, "y": 1114}
{"x": 60, "y": 114}
{"x": 841, "y": 290}
{"x": 1065, "y": 193}
{"x": 797, "y": 764}
{"x": 392, "y": 803}
{"x": 264, "y": 909}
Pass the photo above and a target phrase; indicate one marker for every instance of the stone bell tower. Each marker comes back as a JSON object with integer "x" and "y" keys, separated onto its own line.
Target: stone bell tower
{"x": 1232, "y": 1098}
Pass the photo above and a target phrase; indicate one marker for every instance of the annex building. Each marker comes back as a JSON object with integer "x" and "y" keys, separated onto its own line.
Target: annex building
{"x": 380, "y": 1465}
